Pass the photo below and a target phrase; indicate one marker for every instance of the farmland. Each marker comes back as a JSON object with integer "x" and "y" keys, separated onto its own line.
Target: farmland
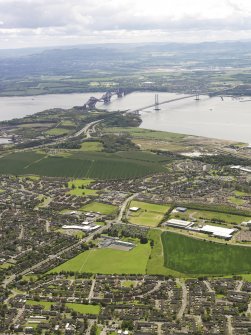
{"x": 79, "y": 165}
{"x": 148, "y": 214}
{"x": 109, "y": 261}
{"x": 198, "y": 257}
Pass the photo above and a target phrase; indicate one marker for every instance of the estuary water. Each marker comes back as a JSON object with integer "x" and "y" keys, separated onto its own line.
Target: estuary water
{"x": 228, "y": 119}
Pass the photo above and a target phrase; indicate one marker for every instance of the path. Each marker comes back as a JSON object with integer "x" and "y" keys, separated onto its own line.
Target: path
{"x": 92, "y": 290}
{"x": 184, "y": 298}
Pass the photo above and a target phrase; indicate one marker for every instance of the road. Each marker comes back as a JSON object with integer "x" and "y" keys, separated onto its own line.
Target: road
{"x": 124, "y": 205}
{"x": 86, "y": 129}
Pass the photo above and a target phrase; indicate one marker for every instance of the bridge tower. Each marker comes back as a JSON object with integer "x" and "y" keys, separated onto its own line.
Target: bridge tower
{"x": 156, "y": 102}
{"x": 197, "y": 96}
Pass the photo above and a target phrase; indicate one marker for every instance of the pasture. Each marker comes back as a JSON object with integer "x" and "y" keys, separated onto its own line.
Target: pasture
{"x": 109, "y": 261}
{"x": 199, "y": 257}
{"x": 148, "y": 215}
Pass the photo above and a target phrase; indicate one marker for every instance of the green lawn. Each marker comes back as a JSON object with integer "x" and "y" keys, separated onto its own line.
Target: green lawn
{"x": 84, "y": 309}
{"x": 148, "y": 215}
{"x": 109, "y": 261}
{"x": 198, "y": 257}
{"x": 100, "y": 207}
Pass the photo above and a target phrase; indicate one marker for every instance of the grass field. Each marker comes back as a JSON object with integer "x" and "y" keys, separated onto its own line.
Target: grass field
{"x": 57, "y": 131}
{"x": 81, "y": 187}
{"x": 91, "y": 146}
{"x": 84, "y": 309}
{"x": 79, "y": 165}
{"x": 198, "y": 257}
{"x": 99, "y": 207}
{"x": 109, "y": 261}
{"x": 155, "y": 263}
{"x": 148, "y": 215}
{"x": 45, "y": 304}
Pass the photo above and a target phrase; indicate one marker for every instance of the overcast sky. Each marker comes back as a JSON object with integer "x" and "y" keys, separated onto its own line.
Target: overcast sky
{"x": 34, "y": 23}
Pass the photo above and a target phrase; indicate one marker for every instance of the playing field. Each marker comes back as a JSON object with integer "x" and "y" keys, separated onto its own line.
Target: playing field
{"x": 193, "y": 256}
{"x": 148, "y": 214}
{"x": 109, "y": 261}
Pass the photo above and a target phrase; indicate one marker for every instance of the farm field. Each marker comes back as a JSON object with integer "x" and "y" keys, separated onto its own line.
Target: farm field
{"x": 78, "y": 165}
{"x": 99, "y": 207}
{"x": 84, "y": 309}
{"x": 198, "y": 257}
{"x": 148, "y": 214}
{"x": 210, "y": 215}
{"x": 109, "y": 261}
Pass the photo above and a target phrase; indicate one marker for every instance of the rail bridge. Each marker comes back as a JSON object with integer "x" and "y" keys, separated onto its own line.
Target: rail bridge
{"x": 106, "y": 98}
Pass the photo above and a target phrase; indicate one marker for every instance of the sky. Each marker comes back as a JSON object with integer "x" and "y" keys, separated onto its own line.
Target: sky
{"x": 40, "y": 23}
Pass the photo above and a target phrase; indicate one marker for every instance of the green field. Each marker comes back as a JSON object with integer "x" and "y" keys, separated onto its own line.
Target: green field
{"x": 57, "y": 131}
{"x": 80, "y": 187}
{"x": 91, "y": 146}
{"x": 100, "y": 207}
{"x": 109, "y": 261}
{"x": 78, "y": 165}
{"x": 45, "y": 304}
{"x": 155, "y": 263}
{"x": 198, "y": 257}
{"x": 84, "y": 309}
{"x": 148, "y": 215}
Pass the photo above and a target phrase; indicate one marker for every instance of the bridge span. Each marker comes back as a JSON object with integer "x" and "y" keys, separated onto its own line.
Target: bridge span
{"x": 161, "y": 103}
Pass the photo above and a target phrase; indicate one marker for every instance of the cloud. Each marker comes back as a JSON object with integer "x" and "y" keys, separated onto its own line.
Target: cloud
{"x": 73, "y": 20}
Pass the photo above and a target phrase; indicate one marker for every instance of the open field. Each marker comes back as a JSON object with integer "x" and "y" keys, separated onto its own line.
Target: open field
{"x": 155, "y": 263}
{"x": 109, "y": 261}
{"x": 78, "y": 165}
{"x": 91, "y": 146}
{"x": 99, "y": 207}
{"x": 57, "y": 131}
{"x": 84, "y": 309}
{"x": 79, "y": 187}
{"x": 148, "y": 214}
{"x": 198, "y": 257}
{"x": 45, "y": 304}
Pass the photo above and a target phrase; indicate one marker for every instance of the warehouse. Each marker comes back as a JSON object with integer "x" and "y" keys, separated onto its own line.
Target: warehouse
{"x": 179, "y": 223}
{"x": 219, "y": 232}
